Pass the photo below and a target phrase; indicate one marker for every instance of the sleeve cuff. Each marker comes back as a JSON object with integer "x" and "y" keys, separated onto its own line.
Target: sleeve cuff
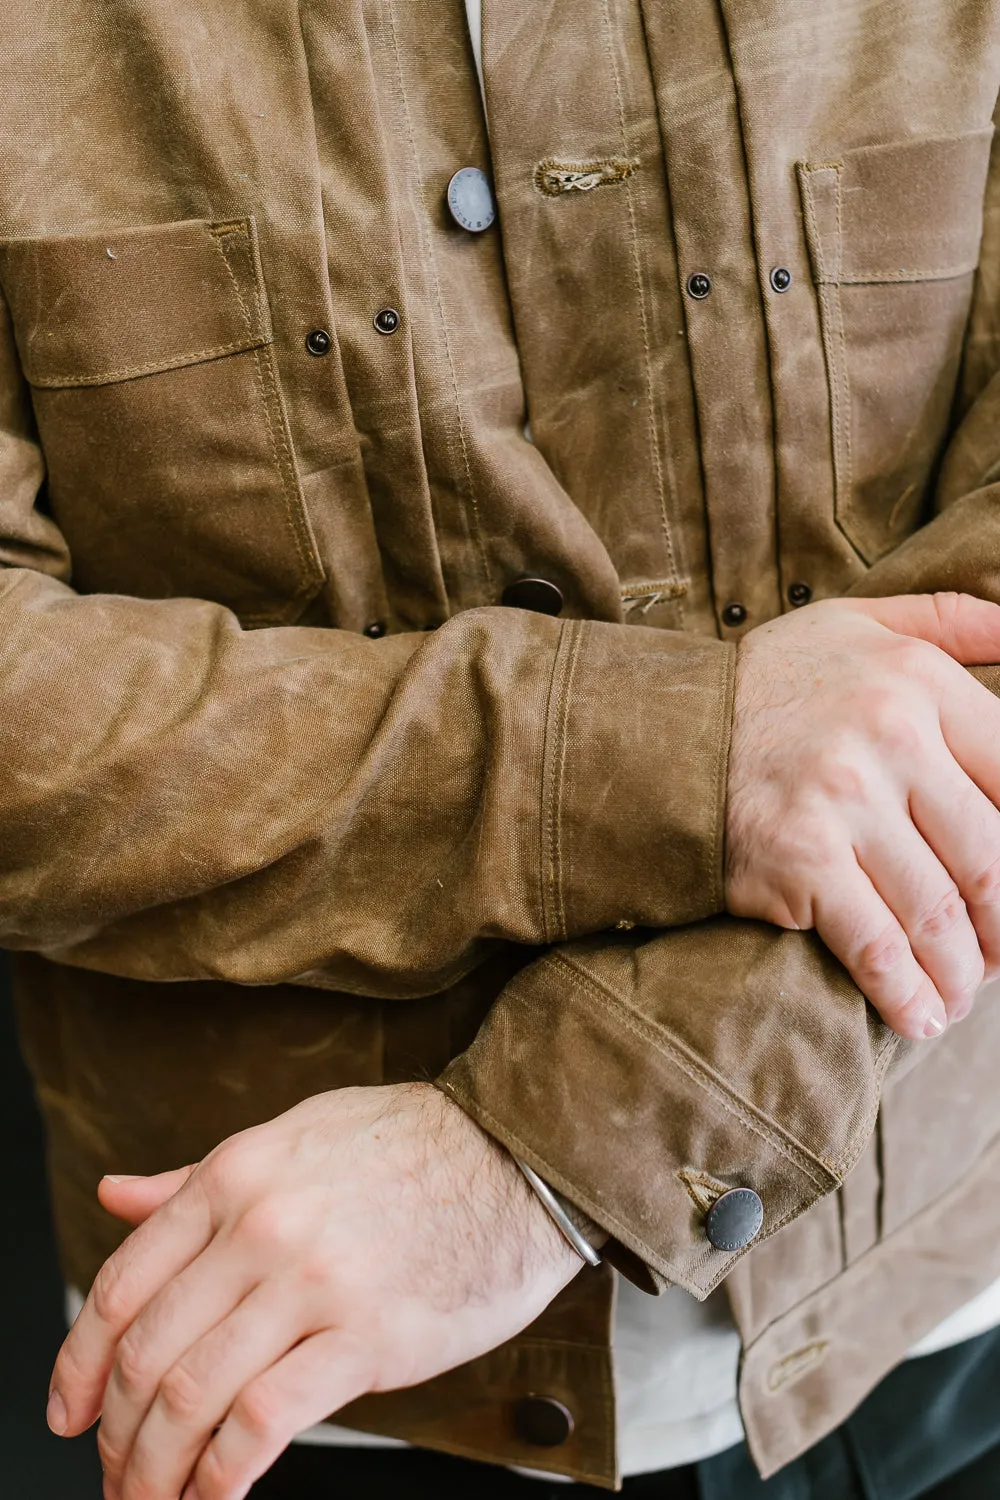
{"x": 634, "y": 785}
{"x": 644, "y": 1079}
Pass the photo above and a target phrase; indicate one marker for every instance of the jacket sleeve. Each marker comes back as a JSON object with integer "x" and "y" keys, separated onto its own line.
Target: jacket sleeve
{"x": 642, "y": 1076}
{"x": 182, "y": 798}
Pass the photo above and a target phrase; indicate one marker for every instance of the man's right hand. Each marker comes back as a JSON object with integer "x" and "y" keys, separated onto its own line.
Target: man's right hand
{"x": 863, "y": 791}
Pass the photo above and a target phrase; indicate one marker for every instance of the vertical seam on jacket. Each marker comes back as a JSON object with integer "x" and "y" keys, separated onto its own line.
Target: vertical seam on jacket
{"x": 831, "y": 321}
{"x": 553, "y": 777}
{"x": 725, "y": 715}
{"x": 311, "y": 572}
{"x": 758, "y": 266}
{"x": 431, "y": 262}
{"x": 845, "y": 415}
{"x": 654, "y": 442}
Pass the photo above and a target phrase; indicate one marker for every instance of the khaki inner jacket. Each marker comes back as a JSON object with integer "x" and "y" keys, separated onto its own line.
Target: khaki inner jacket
{"x": 291, "y": 800}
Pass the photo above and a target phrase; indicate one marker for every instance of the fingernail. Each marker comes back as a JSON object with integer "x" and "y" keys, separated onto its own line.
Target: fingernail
{"x": 56, "y": 1415}
{"x": 936, "y": 1023}
{"x": 127, "y": 1177}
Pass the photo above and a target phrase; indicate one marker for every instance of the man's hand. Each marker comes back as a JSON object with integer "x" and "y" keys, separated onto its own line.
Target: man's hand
{"x": 863, "y": 793}
{"x": 367, "y": 1239}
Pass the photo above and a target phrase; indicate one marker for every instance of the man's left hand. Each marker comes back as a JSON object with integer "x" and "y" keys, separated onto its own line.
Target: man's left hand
{"x": 368, "y": 1239}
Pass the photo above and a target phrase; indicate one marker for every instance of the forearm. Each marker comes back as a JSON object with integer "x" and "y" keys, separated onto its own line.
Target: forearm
{"x": 187, "y": 799}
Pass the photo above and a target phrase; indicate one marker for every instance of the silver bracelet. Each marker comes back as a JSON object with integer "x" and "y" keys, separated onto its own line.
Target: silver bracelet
{"x": 559, "y": 1216}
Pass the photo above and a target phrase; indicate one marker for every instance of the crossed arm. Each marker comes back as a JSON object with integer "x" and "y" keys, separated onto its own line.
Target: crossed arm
{"x": 872, "y": 815}
{"x": 373, "y": 1238}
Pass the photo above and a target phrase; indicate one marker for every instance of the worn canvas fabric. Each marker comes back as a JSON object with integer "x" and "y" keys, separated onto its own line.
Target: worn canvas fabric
{"x": 293, "y": 801}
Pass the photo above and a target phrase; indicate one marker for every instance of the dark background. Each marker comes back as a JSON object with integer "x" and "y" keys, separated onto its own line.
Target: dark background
{"x": 34, "y": 1465}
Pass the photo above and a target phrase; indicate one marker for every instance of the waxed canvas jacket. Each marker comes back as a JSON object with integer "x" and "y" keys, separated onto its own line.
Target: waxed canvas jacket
{"x": 294, "y": 797}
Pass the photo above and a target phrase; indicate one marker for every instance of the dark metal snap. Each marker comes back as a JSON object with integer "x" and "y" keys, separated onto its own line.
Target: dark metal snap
{"x": 799, "y": 594}
{"x": 387, "y": 321}
{"x": 699, "y": 285}
{"x": 375, "y": 631}
{"x": 319, "y": 342}
{"x": 470, "y": 200}
{"x": 735, "y": 1219}
{"x": 542, "y": 1421}
{"x": 536, "y": 594}
{"x": 781, "y": 278}
{"x": 734, "y": 614}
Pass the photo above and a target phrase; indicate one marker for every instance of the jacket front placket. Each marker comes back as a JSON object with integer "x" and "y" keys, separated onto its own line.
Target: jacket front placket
{"x": 593, "y": 282}
{"x": 723, "y": 292}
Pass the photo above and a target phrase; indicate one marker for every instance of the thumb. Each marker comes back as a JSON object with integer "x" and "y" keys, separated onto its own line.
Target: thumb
{"x": 133, "y": 1199}
{"x": 967, "y": 628}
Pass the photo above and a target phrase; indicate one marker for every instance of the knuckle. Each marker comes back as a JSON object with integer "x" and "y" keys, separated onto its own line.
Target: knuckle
{"x": 182, "y": 1394}
{"x": 840, "y": 773}
{"x": 233, "y": 1168}
{"x": 215, "y": 1479}
{"x": 897, "y": 729}
{"x": 109, "y": 1297}
{"x": 881, "y": 956}
{"x": 948, "y": 607}
{"x": 258, "y": 1411}
{"x": 942, "y": 918}
{"x": 984, "y": 889}
{"x": 268, "y": 1227}
{"x": 914, "y": 658}
{"x": 133, "y": 1372}
{"x": 112, "y": 1457}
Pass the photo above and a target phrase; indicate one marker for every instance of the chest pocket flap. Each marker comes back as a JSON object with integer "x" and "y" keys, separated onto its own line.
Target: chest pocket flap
{"x": 170, "y": 465}
{"x": 92, "y": 312}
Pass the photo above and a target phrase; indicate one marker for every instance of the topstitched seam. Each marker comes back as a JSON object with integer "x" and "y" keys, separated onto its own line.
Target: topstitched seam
{"x": 705, "y": 1077}
{"x": 852, "y": 1153}
{"x": 842, "y": 342}
{"x": 257, "y": 335}
{"x": 902, "y": 276}
{"x": 309, "y": 574}
{"x": 546, "y": 787}
{"x": 430, "y": 259}
{"x": 654, "y": 441}
{"x": 570, "y": 645}
{"x": 834, "y": 341}
{"x": 151, "y": 367}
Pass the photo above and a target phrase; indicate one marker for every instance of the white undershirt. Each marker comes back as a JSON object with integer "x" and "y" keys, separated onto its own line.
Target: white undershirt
{"x": 676, "y": 1360}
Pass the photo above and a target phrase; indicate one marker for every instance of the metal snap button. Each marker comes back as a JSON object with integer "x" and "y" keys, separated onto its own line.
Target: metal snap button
{"x": 734, "y": 614}
{"x": 699, "y": 286}
{"x": 735, "y": 1219}
{"x": 536, "y": 594}
{"x": 470, "y": 200}
{"x": 799, "y": 594}
{"x": 319, "y": 342}
{"x": 781, "y": 278}
{"x": 386, "y": 321}
{"x": 542, "y": 1421}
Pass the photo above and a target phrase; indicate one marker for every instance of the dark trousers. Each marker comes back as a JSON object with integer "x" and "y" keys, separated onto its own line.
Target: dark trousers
{"x": 931, "y": 1430}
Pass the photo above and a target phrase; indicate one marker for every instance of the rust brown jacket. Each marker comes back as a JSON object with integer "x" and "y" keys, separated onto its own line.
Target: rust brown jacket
{"x": 291, "y": 799}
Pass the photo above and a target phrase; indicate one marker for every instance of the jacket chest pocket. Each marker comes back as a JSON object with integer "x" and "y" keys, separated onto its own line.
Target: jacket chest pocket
{"x": 893, "y": 235}
{"x": 170, "y": 469}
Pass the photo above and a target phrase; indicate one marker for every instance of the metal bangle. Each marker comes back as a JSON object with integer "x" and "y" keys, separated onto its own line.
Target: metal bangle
{"x": 559, "y": 1216}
